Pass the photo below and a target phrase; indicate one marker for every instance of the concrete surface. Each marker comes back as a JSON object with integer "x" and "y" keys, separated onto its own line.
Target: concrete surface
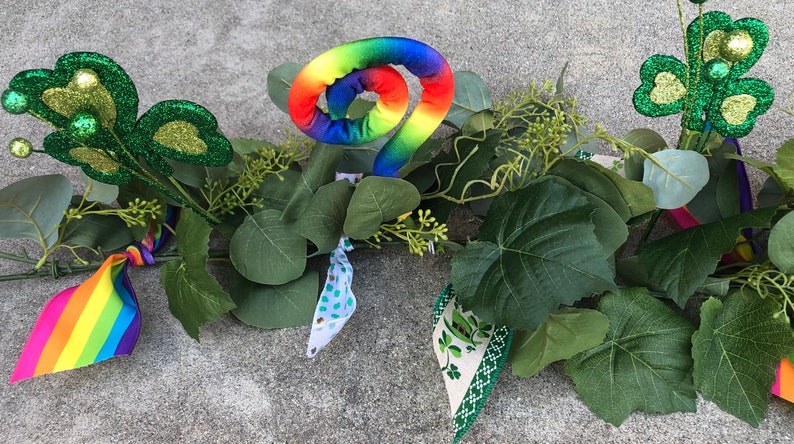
{"x": 379, "y": 381}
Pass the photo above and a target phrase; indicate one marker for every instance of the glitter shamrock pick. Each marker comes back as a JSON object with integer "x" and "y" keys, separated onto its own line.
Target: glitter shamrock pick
{"x": 708, "y": 89}
{"x": 93, "y": 105}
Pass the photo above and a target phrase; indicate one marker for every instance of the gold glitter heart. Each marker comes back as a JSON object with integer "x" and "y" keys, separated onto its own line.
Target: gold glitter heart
{"x": 84, "y": 93}
{"x": 712, "y": 43}
{"x": 97, "y": 159}
{"x": 667, "y": 89}
{"x": 735, "y": 109}
{"x": 180, "y": 136}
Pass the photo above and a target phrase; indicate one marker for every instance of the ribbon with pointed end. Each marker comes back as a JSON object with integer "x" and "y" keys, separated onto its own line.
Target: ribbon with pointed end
{"x": 471, "y": 354}
{"x": 91, "y": 322}
{"x": 784, "y": 383}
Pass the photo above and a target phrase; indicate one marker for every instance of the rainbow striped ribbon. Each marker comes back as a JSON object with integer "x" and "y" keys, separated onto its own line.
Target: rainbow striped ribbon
{"x": 91, "y": 322}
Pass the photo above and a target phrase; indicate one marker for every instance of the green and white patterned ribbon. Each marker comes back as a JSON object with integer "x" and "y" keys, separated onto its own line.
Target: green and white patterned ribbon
{"x": 471, "y": 354}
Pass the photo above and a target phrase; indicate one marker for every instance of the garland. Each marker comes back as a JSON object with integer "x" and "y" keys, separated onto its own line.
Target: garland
{"x": 552, "y": 274}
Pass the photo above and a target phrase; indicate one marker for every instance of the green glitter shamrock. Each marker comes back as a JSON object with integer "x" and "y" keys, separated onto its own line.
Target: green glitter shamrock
{"x": 93, "y": 105}
{"x": 708, "y": 89}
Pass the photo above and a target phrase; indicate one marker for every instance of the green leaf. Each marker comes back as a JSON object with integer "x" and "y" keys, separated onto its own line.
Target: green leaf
{"x": 783, "y": 172}
{"x": 736, "y": 351}
{"x": 279, "y": 82}
{"x": 650, "y": 141}
{"x": 266, "y": 250}
{"x": 100, "y": 192}
{"x": 537, "y": 250}
{"x": 589, "y": 179}
{"x": 781, "y": 244}
{"x": 377, "y": 200}
{"x": 277, "y": 189}
{"x": 681, "y": 262}
{"x": 96, "y": 231}
{"x": 275, "y": 306}
{"x": 32, "y": 208}
{"x": 194, "y": 296}
{"x": 320, "y": 170}
{"x": 565, "y": 333}
{"x": 471, "y": 96}
{"x": 637, "y": 195}
{"x": 323, "y": 219}
{"x": 721, "y": 192}
{"x": 644, "y": 363}
{"x": 675, "y": 177}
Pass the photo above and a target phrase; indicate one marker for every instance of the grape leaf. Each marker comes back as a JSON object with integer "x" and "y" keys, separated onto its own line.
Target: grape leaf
{"x": 681, "y": 262}
{"x": 644, "y": 363}
{"x": 736, "y": 351}
{"x": 194, "y": 296}
{"x": 32, "y": 208}
{"x": 565, "y": 333}
{"x": 537, "y": 250}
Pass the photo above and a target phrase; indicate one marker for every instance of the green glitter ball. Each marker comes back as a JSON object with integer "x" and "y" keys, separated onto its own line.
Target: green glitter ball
{"x": 14, "y": 102}
{"x": 698, "y": 2}
{"x": 83, "y": 125}
{"x": 20, "y": 148}
{"x": 717, "y": 70}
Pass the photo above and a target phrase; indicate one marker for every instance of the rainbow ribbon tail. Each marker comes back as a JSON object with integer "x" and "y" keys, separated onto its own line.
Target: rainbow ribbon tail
{"x": 82, "y": 325}
{"x": 94, "y": 321}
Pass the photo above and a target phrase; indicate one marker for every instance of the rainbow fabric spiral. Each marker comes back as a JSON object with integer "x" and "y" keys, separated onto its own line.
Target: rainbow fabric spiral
{"x": 350, "y": 69}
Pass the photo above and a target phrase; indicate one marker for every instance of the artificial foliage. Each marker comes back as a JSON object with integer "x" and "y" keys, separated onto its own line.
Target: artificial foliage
{"x": 567, "y": 263}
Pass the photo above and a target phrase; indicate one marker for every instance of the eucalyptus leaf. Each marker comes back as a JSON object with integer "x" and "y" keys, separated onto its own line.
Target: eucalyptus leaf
{"x": 96, "y": 231}
{"x": 770, "y": 195}
{"x": 644, "y": 363}
{"x": 277, "y": 189}
{"x": 649, "y": 141}
{"x": 781, "y": 244}
{"x": 589, "y": 179}
{"x": 681, "y": 262}
{"x": 323, "y": 219}
{"x": 32, "y": 208}
{"x": 279, "y": 82}
{"x": 275, "y": 306}
{"x": 266, "y": 250}
{"x": 99, "y": 192}
{"x": 320, "y": 170}
{"x": 637, "y": 195}
{"x": 537, "y": 250}
{"x": 471, "y": 96}
{"x": 675, "y": 177}
{"x": 377, "y": 200}
{"x": 566, "y": 332}
{"x": 736, "y": 350}
{"x": 721, "y": 189}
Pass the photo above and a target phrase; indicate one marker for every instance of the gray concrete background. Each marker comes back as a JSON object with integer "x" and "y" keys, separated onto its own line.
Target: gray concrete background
{"x": 378, "y": 381}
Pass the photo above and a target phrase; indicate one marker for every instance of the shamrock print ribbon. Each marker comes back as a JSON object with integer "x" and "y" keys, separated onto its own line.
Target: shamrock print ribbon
{"x": 93, "y": 321}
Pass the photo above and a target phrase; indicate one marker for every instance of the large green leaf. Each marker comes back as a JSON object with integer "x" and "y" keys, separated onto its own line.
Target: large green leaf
{"x": 471, "y": 96}
{"x": 194, "y": 296}
{"x": 33, "y": 207}
{"x": 565, "y": 333}
{"x": 279, "y": 82}
{"x": 96, "y": 231}
{"x": 323, "y": 219}
{"x": 681, "y": 262}
{"x": 781, "y": 244}
{"x": 377, "y": 200}
{"x": 277, "y": 190}
{"x": 320, "y": 170}
{"x": 644, "y": 363}
{"x": 265, "y": 249}
{"x": 720, "y": 189}
{"x": 736, "y": 351}
{"x": 637, "y": 195}
{"x": 275, "y": 306}
{"x": 675, "y": 176}
{"x": 537, "y": 250}
{"x": 589, "y": 179}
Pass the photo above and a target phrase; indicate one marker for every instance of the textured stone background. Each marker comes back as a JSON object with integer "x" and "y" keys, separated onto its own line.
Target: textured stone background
{"x": 378, "y": 382}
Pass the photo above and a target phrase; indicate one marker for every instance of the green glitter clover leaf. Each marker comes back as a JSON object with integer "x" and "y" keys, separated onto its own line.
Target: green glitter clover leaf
{"x": 93, "y": 106}
{"x": 708, "y": 89}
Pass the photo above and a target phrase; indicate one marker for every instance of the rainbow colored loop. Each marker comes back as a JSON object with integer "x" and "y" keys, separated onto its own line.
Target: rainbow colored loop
{"x": 350, "y": 69}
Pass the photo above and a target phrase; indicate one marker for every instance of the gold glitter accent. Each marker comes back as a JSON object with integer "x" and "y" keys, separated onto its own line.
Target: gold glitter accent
{"x": 736, "y": 46}
{"x": 735, "y": 109}
{"x": 712, "y": 43}
{"x": 82, "y": 95}
{"x": 667, "y": 89}
{"x": 180, "y": 136}
{"x": 97, "y": 159}
{"x": 320, "y": 320}
{"x": 20, "y": 147}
